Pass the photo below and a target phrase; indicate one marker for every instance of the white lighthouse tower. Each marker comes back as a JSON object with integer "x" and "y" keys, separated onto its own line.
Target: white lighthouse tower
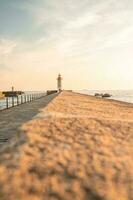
{"x": 59, "y": 83}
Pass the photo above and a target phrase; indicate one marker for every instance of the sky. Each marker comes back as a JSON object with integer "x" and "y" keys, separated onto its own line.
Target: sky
{"x": 90, "y": 42}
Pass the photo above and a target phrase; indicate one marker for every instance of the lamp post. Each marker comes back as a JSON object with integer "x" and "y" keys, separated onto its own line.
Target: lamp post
{"x": 12, "y": 89}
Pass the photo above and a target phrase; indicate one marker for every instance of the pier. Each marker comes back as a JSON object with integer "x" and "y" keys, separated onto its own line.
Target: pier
{"x": 77, "y": 147}
{"x": 12, "y": 119}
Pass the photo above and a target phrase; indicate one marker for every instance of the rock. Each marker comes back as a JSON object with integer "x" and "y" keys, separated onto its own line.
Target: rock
{"x": 106, "y": 95}
{"x": 98, "y": 94}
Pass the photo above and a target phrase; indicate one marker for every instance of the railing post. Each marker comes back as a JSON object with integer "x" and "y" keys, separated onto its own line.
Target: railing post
{"x": 17, "y": 100}
{"x": 7, "y": 104}
{"x": 28, "y": 98}
{"x": 12, "y": 101}
{"x": 25, "y": 98}
{"x": 21, "y": 99}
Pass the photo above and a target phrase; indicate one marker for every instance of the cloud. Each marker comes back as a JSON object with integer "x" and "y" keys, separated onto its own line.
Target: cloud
{"x": 78, "y": 27}
{"x": 4, "y": 67}
{"x": 69, "y": 34}
{"x": 7, "y": 46}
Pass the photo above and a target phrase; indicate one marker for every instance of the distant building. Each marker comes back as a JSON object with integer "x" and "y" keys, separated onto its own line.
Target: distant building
{"x": 2, "y": 95}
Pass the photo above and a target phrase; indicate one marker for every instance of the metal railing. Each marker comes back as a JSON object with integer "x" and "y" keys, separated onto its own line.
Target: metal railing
{"x": 9, "y": 102}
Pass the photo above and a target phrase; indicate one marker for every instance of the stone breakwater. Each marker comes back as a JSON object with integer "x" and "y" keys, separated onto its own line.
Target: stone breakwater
{"x": 78, "y": 147}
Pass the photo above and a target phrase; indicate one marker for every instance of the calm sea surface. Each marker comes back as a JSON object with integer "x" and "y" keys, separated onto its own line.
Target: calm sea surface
{"x": 120, "y": 95}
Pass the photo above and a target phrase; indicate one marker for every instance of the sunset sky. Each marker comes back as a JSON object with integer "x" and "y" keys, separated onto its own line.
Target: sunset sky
{"x": 90, "y": 42}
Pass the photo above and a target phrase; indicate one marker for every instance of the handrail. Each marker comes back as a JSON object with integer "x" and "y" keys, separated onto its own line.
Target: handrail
{"x": 9, "y": 102}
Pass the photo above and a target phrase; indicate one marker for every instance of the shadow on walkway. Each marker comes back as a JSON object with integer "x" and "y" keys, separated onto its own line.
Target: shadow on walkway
{"x": 12, "y": 119}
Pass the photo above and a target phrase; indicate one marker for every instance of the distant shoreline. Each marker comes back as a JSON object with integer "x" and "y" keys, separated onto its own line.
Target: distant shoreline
{"x": 125, "y": 96}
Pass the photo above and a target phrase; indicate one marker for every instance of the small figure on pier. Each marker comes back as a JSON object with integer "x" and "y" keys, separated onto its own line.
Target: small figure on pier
{"x": 59, "y": 83}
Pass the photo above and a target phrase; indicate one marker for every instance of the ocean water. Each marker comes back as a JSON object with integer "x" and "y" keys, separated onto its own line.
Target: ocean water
{"x": 120, "y": 95}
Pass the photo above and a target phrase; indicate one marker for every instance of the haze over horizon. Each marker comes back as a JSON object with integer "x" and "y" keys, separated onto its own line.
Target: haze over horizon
{"x": 89, "y": 42}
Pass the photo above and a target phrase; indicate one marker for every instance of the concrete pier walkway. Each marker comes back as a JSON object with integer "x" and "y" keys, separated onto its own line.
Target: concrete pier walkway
{"x": 12, "y": 119}
{"x": 78, "y": 147}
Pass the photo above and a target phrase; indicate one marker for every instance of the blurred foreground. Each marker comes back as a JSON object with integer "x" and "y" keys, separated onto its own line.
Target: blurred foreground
{"x": 78, "y": 147}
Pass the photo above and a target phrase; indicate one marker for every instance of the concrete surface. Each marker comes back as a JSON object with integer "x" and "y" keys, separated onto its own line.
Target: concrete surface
{"x": 12, "y": 119}
{"x": 78, "y": 147}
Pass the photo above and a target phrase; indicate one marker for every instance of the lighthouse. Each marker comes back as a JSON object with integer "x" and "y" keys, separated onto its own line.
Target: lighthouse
{"x": 59, "y": 83}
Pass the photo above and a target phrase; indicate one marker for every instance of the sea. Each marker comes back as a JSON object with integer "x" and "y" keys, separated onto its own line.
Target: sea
{"x": 120, "y": 95}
